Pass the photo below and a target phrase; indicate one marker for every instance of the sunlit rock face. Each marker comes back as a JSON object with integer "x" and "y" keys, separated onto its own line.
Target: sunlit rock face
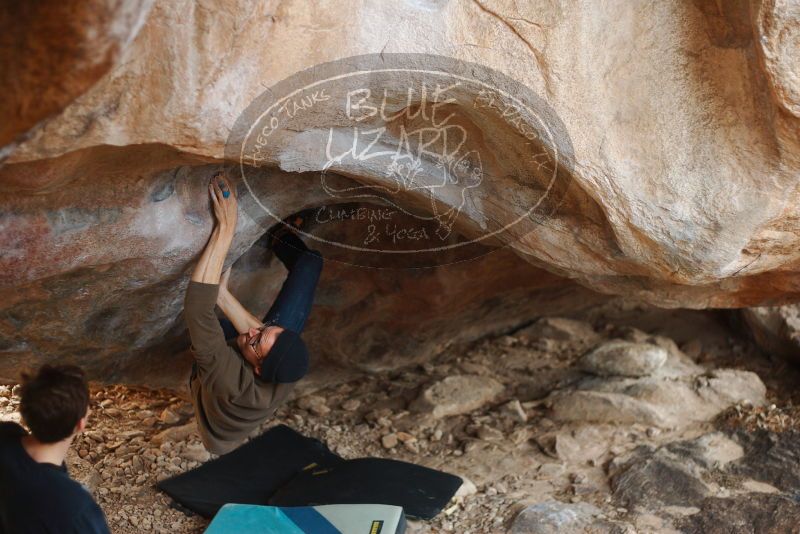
{"x": 678, "y": 138}
{"x": 53, "y": 52}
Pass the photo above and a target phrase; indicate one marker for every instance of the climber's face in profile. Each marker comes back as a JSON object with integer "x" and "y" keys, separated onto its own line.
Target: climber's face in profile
{"x": 256, "y": 343}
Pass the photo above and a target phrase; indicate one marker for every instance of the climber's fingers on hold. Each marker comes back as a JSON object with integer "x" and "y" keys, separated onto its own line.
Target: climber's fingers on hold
{"x": 224, "y": 184}
{"x": 216, "y": 200}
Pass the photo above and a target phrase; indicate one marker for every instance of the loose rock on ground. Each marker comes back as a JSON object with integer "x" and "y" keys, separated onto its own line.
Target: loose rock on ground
{"x": 527, "y": 467}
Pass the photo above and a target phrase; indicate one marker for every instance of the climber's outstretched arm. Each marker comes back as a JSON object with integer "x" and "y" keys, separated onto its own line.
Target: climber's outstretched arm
{"x": 209, "y": 268}
{"x": 208, "y": 339}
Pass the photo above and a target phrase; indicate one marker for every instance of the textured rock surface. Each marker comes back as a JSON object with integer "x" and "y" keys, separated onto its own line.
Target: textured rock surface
{"x": 624, "y": 358}
{"x": 456, "y": 395}
{"x": 652, "y": 213}
{"x": 751, "y": 512}
{"x": 778, "y": 24}
{"x": 675, "y": 394}
{"x": 776, "y": 329}
{"x": 683, "y": 161}
{"x": 560, "y": 329}
{"x": 554, "y": 517}
{"x": 120, "y": 315}
{"x": 54, "y": 51}
{"x": 671, "y": 475}
{"x": 772, "y": 458}
{"x": 743, "y": 482}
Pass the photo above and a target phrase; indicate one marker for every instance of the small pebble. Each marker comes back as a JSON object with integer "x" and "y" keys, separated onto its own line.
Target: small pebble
{"x": 389, "y": 441}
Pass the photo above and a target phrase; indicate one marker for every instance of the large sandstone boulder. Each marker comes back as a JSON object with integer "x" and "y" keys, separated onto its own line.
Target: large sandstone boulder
{"x": 54, "y": 51}
{"x": 675, "y": 128}
{"x": 647, "y": 384}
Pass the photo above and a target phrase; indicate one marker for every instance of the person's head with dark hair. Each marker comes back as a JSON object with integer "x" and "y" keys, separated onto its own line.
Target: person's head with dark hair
{"x": 54, "y": 402}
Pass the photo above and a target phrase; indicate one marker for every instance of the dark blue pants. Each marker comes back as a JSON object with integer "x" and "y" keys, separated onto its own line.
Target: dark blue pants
{"x": 293, "y": 303}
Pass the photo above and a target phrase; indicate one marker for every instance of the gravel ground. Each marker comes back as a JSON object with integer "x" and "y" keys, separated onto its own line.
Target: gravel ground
{"x": 138, "y": 436}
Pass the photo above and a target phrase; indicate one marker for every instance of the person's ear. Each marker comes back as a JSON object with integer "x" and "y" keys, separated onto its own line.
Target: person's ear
{"x": 81, "y": 426}
{"x": 252, "y": 331}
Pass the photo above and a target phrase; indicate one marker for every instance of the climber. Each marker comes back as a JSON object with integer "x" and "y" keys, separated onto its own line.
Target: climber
{"x": 244, "y": 369}
{"x": 36, "y": 493}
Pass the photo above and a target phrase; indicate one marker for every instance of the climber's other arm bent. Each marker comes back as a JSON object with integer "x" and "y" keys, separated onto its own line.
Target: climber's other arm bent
{"x": 237, "y": 314}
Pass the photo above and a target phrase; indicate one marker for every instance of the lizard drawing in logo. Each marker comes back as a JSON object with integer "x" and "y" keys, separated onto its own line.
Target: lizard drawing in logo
{"x": 446, "y": 175}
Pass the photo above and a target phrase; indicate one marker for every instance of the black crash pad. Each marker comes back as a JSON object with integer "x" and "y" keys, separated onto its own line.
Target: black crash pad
{"x": 284, "y": 468}
{"x": 422, "y": 492}
{"x": 250, "y": 474}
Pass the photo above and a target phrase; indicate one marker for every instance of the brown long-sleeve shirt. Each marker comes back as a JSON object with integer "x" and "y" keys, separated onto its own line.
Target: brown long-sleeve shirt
{"x": 229, "y": 400}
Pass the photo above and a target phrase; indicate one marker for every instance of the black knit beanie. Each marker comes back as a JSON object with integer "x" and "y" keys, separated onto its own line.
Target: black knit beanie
{"x": 287, "y": 360}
